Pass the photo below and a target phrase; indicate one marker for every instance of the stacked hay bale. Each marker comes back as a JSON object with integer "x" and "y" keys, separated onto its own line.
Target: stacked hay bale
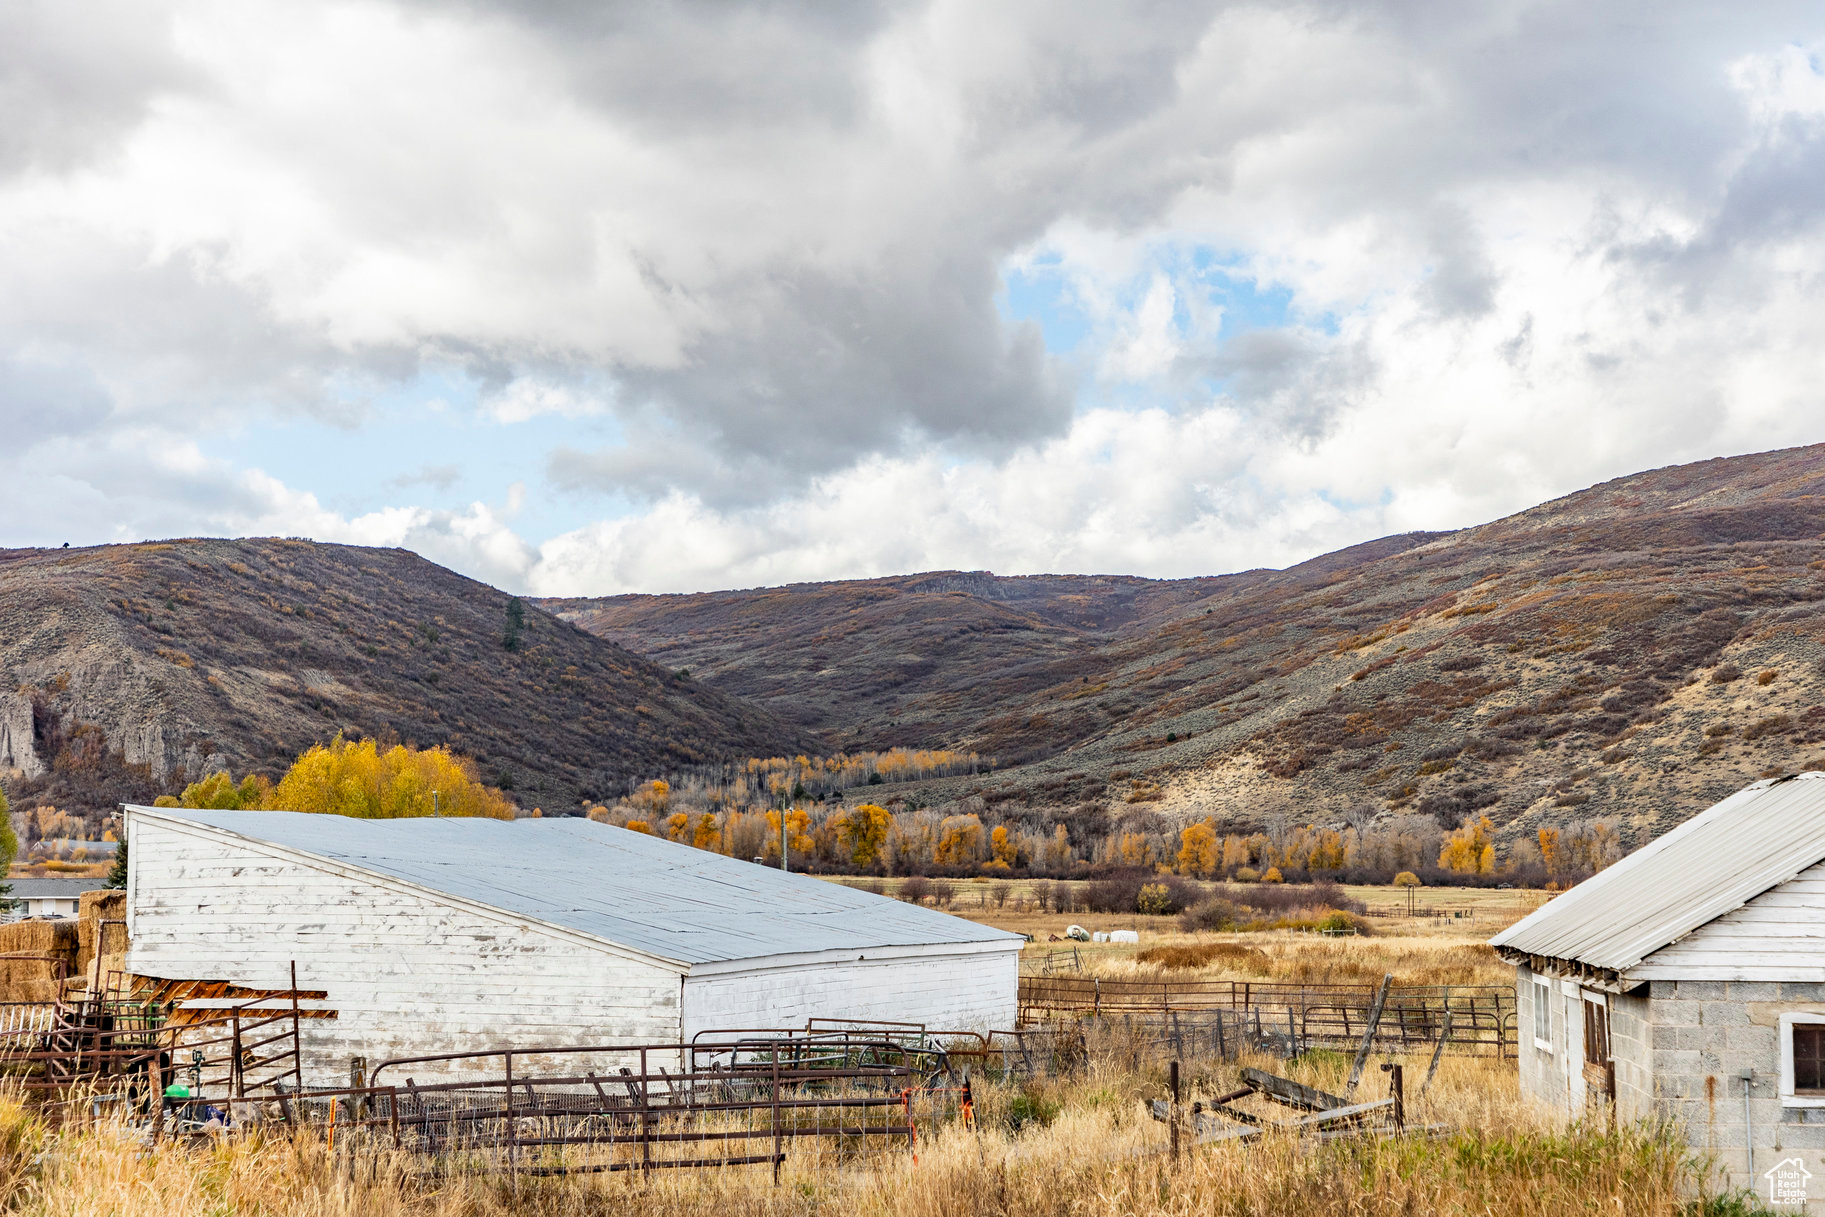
{"x": 101, "y": 931}
{"x": 36, "y": 979}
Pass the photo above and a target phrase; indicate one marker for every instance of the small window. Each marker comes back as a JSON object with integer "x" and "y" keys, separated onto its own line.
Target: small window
{"x": 1809, "y": 1058}
{"x": 1803, "y": 1060}
{"x": 1543, "y": 1015}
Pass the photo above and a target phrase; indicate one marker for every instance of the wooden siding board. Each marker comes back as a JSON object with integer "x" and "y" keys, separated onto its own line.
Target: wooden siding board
{"x": 1779, "y": 935}
{"x": 973, "y": 990}
{"x": 408, "y": 975}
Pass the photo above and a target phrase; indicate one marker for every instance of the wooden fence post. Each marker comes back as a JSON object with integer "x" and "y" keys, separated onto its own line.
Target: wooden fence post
{"x": 1173, "y": 1112}
{"x": 1368, "y": 1035}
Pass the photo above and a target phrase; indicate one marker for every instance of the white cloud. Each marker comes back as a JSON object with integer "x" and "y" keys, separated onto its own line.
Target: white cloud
{"x": 1519, "y": 249}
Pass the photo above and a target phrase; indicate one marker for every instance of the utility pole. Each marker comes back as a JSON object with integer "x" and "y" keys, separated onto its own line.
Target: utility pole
{"x": 434, "y": 811}
{"x": 783, "y": 863}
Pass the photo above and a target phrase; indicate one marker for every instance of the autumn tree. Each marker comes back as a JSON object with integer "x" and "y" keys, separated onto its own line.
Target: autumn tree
{"x": 639, "y": 826}
{"x": 219, "y": 792}
{"x": 1004, "y": 849}
{"x": 1552, "y": 853}
{"x": 709, "y": 833}
{"x": 959, "y": 841}
{"x": 677, "y": 826}
{"x": 798, "y": 833}
{"x": 862, "y": 833}
{"x": 359, "y": 779}
{"x": 1470, "y": 849}
{"x": 1200, "y": 853}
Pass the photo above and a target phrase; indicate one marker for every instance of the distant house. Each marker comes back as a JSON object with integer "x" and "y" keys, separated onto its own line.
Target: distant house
{"x": 1689, "y": 975}
{"x": 449, "y": 935}
{"x": 56, "y": 897}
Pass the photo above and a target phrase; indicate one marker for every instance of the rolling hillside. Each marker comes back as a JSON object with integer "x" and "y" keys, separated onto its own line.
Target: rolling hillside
{"x": 125, "y": 670}
{"x": 1636, "y": 649}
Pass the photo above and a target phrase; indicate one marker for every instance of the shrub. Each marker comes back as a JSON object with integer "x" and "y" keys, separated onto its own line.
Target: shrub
{"x": 1247, "y": 874}
{"x": 1214, "y": 914}
{"x": 1155, "y": 900}
{"x": 1766, "y": 678}
{"x": 1029, "y": 1109}
{"x": 915, "y": 889}
{"x": 1205, "y": 953}
{"x": 1273, "y": 875}
{"x": 1407, "y": 879}
{"x": 1341, "y": 922}
{"x": 1724, "y": 673}
{"x": 942, "y": 893}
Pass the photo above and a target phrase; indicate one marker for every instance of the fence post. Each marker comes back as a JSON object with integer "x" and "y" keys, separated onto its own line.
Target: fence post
{"x": 1397, "y": 1092}
{"x": 1368, "y": 1035}
{"x": 513, "y": 1128}
{"x": 1173, "y": 1113}
{"x": 779, "y": 1153}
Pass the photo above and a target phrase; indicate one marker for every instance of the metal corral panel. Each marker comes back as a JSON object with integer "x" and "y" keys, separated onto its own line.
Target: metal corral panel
{"x": 1759, "y": 837}
{"x": 668, "y": 900}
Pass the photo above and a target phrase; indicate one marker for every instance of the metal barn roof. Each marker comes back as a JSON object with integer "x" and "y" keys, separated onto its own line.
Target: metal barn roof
{"x": 656, "y": 896}
{"x": 1719, "y": 860}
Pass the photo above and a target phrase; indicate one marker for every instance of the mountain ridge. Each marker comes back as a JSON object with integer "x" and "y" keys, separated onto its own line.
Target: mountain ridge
{"x": 1562, "y": 658}
{"x": 126, "y": 669}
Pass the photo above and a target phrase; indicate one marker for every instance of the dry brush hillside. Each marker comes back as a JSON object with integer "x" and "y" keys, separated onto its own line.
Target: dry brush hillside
{"x": 1637, "y": 650}
{"x": 125, "y": 669}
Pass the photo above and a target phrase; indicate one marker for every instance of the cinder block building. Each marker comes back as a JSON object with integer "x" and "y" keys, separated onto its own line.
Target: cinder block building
{"x": 432, "y": 936}
{"x": 1687, "y": 982}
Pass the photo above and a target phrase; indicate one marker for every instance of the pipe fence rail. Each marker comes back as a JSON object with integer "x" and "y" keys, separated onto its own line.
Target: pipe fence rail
{"x": 1481, "y": 1017}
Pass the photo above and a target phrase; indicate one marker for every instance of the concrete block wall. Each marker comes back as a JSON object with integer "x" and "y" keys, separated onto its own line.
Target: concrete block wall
{"x": 1702, "y": 1035}
{"x": 1542, "y": 1072}
{"x": 1631, "y": 1047}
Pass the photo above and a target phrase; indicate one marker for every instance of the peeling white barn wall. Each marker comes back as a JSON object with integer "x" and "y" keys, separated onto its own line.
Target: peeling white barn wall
{"x": 960, "y": 987}
{"x": 410, "y": 972}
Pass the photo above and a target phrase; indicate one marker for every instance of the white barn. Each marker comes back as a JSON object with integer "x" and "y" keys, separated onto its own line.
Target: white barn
{"x": 1687, "y": 982}
{"x": 454, "y": 935}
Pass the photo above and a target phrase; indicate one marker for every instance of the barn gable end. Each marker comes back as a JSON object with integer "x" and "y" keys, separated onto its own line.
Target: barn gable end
{"x": 408, "y": 971}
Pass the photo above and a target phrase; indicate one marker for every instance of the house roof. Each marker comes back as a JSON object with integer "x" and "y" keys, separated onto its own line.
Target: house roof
{"x": 656, "y": 896}
{"x": 54, "y": 888}
{"x": 1719, "y": 860}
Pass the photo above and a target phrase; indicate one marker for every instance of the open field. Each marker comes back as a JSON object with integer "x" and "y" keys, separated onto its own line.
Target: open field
{"x": 1418, "y": 950}
{"x": 1079, "y": 1144}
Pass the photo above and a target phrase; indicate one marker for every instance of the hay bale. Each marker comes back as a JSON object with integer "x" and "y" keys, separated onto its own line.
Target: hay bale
{"x": 41, "y": 935}
{"x": 35, "y": 979}
{"x": 106, "y": 904}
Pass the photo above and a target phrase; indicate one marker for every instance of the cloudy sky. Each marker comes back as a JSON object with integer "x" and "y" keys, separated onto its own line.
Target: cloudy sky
{"x": 587, "y": 298}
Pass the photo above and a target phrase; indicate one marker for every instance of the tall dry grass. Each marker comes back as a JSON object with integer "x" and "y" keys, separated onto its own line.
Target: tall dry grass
{"x": 1306, "y": 959}
{"x": 1078, "y": 1145}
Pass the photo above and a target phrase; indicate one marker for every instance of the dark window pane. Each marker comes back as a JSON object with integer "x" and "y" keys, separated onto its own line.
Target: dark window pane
{"x": 1809, "y": 1057}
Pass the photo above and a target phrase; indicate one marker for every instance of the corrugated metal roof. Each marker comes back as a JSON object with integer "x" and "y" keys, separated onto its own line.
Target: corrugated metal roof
{"x": 1719, "y": 860}
{"x": 643, "y": 892}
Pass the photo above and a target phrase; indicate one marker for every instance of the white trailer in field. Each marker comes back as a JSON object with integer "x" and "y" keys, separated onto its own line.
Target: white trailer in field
{"x": 450, "y": 935}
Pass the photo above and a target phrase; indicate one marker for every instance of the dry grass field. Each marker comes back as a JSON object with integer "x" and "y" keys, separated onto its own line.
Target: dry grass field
{"x": 1076, "y": 1145}
{"x": 1422, "y": 950}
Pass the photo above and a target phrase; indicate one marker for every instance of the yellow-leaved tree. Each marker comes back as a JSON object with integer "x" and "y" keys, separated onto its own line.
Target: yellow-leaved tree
{"x": 357, "y": 778}
{"x": 862, "y": 833}
{"x": 218, "y": 792}
{"x": 1470, "y": 849}
{"x": 1199, "y": 852}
